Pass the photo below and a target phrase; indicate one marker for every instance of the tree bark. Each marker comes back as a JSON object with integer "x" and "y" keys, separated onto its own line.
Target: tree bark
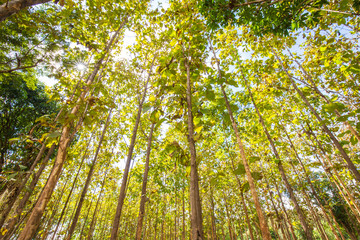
{"x": 72, "y": 187}
{"x": 94, "y": 217}
{"x": 308, "y": 232}
{"x": 262, "y": 220}
{"x": 88, "y": 179}
{"x": 144, "y": 183}
{"x": 195, "y": 202}
{"x": 116, "y": 221}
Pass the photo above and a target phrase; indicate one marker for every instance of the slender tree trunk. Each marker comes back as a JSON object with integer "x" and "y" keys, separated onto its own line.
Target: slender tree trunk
{"x": 262, "y": 220}
{"x": 312, "y": 189}
{"x": 277, "y": 212}
{"x": 48, "y": 224}
{"x": 88, "y": 179}
{"x": 243, "y": 202}
{"x": 284, "y": 210}
{"x": 94, "y": 217}
{"x": 213, "y": 220}
{"x": 183, "y": 215}
{"x": 289, "y": 188}
{"x": 195, "y": 202}
{"x": 72, "y": 187}
{"x": 274, "y": 207}
{"x": 34, "y": 219}
{"x": 143, "y": 190}
{"x": 116, "y": 222}
{"x": 228, "y": 217}
{"x": 263, "y": 224}
{"x": 85, "y": 220}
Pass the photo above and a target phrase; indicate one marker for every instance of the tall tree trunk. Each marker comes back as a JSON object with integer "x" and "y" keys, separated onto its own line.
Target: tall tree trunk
{"x": 337, "y": 144}
{"x": 144, "y": 183}
{"x": 284, "y": 210}
{"x": 48, "y": 222}
{"x": 229, "y": 218}
{"x": 263, "y": 224}
{"x": 72, "y": 187}
{"x": 183, "y": 215}
{"x": 289, "y": 188}
{"x": 311, "y": 186}
{"x": 34, "y": 219}
{"x": 274, "y": 207}
{"x": 88, "y": 179}
{"x": 94, "y": 217}
{"x": 213, "y": 220}
{"x": 116, "y": 222}
{"x": 243, "y": 202}
{"x": 262, "y": 220}
{"x": 195, "y": 202}
{"x": 86, "y": 218}
{"x": 10, "y": 224}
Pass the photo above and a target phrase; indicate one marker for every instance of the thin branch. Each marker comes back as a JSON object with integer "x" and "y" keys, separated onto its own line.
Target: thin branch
{"x": 19, "y": 68}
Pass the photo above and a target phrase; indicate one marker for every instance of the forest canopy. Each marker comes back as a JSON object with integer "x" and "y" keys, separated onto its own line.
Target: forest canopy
{"x": 197, "y": 119}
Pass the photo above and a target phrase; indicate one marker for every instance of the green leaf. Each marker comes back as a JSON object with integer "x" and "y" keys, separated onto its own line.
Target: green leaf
{"x": 240, "y": 170}
{"x": 22, "y": 167}
{"x": 245, "y": 187}
{"x": 210, "y": 95}
{"x": 253, "y": 159}
{"x": 54, "y": 134}
{"x": 343, "y": 118}
{"x": 198, "y": 129}
{"x": 353, "y": 140}
{"x": 257, "y": 176}
{"x": 146, "y": 108}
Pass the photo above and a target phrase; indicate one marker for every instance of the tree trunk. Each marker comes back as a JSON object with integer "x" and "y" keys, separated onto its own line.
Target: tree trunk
{"x": 195, "y": 202}
{"x": 116, "y": 222}
{"x": 72, "y": 187}
{"x": 229, "y": 219}
{"x": 144, "y": 183}
{"x": 94, "y": 217}
{"x": 213, "y": 220}
{"x": 85, "y": 220}
{"x": 284, "y": 209}
{"x": 308, "y": 232}
{"x": 88, "y": 179}
{"x": 262, "y": 220}
{"x": 243, "y": 202}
